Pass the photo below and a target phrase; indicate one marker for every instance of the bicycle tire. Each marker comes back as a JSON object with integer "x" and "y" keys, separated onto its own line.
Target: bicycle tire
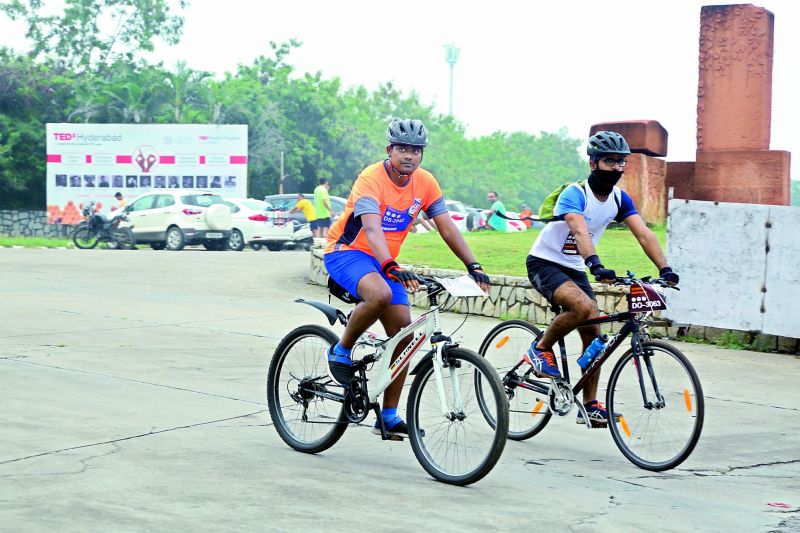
{"x": 300, "y": 356}
{"x": 429, "y": 428}
{"x": 503, "y": 347}
{"x": 84, "y": 238}
{"x": 662, "y": 437}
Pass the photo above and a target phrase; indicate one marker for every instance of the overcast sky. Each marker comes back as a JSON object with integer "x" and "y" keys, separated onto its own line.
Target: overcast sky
{"x": 529, "y": 66}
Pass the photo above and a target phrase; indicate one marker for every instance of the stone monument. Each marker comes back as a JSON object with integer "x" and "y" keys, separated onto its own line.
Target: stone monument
{"x": 734, "y": 110}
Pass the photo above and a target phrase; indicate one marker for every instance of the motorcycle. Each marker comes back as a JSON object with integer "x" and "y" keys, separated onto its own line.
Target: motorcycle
{"x": 96, "y": 228}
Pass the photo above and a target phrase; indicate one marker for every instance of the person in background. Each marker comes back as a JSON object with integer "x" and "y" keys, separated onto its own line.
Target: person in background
{"x": 525, "y": 215}
{"x": 322, "y": 205}
{"x": 492, "y": 219}
{"x": 121, "y": 203}
{"x": 308, "y": 210}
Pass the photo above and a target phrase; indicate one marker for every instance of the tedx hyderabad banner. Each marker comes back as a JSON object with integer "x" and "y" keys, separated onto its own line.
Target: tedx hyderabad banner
{"x": 92, "y": 162}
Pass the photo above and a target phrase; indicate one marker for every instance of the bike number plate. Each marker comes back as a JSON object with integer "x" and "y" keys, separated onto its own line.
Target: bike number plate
{"x": 213, "y": 235}
{"x": 644, "y": 298}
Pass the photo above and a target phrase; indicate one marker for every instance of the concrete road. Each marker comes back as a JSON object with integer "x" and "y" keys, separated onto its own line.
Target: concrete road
{"x": 132, "y": 387}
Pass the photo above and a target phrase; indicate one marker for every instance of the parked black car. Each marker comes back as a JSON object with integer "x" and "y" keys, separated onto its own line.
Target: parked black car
{"x": 288, "y": 201}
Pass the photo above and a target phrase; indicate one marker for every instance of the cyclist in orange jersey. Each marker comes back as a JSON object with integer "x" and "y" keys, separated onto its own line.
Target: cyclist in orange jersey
{"x": 365, "y": 240}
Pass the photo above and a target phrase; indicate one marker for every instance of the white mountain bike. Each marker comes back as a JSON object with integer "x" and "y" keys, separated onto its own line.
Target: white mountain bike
{"x": 455, "y": 439}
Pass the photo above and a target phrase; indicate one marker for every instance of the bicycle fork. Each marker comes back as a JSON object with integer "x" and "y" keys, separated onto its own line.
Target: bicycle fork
{"x": 440, "y": 365}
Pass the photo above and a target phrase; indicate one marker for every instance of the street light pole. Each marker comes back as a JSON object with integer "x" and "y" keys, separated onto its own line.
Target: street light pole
{"x": 451, "y": 56}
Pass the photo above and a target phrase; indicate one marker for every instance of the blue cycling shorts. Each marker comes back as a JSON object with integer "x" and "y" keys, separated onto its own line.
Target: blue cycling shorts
{"x": 347, "y": 267}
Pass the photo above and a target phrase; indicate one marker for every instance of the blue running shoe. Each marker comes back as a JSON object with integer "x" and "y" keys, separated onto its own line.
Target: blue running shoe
{"x": 542, "y": 361}
{"x": 340, "y": 368}
{"x": 598, "y": 415}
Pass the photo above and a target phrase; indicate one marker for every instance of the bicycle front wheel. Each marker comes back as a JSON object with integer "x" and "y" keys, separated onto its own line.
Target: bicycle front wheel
{"x": 298, "y": 376}
{"x": 455, "y": 443}
{"x": 659, "y": 400}
{"x": 503, "y": 348}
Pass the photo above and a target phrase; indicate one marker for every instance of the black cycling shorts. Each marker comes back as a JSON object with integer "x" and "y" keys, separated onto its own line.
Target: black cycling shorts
{"x": 546, "y": 277}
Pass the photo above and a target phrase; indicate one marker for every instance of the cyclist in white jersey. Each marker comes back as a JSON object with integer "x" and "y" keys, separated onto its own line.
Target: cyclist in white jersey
{"x": 565, "y": 247}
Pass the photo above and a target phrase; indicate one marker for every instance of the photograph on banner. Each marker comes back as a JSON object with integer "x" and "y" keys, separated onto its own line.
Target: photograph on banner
{"x": 93, "y": 162}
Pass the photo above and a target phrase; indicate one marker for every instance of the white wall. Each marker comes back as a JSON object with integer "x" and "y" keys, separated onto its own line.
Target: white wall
{"x": 739, "y": 266}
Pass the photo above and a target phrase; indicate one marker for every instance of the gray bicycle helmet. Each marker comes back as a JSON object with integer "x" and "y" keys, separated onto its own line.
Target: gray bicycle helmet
{"x": 407, "y": 131}
{"x": 607, "y": 142}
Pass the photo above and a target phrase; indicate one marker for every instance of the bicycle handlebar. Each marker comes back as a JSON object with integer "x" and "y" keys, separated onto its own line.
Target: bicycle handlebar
{"x": 631, "y": 278}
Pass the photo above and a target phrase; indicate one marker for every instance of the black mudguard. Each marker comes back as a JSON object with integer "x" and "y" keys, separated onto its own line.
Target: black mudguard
{"x": 330, "y": 312}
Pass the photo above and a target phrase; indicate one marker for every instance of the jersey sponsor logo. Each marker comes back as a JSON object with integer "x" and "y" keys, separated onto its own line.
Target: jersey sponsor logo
{"x": 415, "y": 207}
{"x": 570, "y": 245}
{"x": 395, "y": 220}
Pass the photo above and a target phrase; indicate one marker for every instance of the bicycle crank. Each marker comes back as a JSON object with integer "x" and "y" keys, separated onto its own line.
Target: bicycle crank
{"x": 356, "y": 403}
{"x": 560, "y": 397}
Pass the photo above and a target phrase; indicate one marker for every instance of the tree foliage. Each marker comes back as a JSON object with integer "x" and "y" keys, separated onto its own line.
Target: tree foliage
{"x": 320, "y": 128}
{"x": 88, "y": 32}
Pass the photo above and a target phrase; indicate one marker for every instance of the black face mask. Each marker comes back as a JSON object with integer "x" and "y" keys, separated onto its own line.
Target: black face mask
{"x": 602, "y": 181}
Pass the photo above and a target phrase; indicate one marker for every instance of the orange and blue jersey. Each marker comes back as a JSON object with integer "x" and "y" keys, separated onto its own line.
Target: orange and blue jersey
{"x": 374, "y": 192}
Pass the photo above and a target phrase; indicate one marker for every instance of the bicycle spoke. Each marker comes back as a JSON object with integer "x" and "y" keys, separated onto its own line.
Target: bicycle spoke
{"x": 460, "y": 446}
{"x": 306, "y": 421}
{"x": 653, "y": 436}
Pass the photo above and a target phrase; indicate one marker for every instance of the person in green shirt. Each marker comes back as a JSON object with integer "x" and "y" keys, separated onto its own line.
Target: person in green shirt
{"x": 492, "y": 219}
{"x": 322, "y": 205}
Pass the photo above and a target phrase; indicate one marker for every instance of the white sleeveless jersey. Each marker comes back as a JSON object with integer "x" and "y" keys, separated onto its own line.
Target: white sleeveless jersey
{"x": 556, "y": 242}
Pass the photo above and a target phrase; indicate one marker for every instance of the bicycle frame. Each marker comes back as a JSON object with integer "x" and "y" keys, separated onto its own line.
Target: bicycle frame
{"x": 426, "y": 327}
{"x": 631, "y": 326}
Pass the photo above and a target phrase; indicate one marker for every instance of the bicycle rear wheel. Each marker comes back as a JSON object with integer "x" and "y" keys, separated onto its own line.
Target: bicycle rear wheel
{"x": 660, "y": 400}
{"x": 304, "y": 420}
{"x": 503, "y": 348}
{"x": 458, "y": 447}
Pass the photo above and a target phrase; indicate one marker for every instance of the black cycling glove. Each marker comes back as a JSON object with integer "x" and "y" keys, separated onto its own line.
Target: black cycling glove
{"x": 476, "y": 272}
{"x": 395, "y": 272}
{"x": 597, "y": 269}
{"x": 669, "y": 276}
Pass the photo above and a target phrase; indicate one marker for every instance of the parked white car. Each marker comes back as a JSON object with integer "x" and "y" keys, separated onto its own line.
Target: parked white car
{"x": 173, "y": 219}
{"x": 458, "y": 214}
{"x": 255, "y": 223}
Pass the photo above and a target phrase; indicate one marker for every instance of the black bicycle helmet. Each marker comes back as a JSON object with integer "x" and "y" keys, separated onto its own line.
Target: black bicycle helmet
{"x": 607, "y": 142}
{"x": 407, "y": 131}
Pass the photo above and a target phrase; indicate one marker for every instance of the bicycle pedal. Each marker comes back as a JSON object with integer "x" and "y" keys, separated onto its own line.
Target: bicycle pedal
{"x": 396, "y": 438}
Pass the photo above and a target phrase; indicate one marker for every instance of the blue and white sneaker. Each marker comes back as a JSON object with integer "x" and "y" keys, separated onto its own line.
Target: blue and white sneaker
{"x": 597, "y": 413}
{"x": 340, "y": 368}
{"x": 542, "y": 361}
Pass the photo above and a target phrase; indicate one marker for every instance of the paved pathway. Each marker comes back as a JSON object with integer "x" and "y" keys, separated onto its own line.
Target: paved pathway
{"x": 132, "y": 388}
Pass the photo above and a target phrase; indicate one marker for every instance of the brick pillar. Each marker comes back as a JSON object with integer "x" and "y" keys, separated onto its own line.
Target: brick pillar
{"x": 645, "y": 176}
{"x": 644, "y": 181}
{"x": 734, "y": 107}
{"x": 680, "y": 176}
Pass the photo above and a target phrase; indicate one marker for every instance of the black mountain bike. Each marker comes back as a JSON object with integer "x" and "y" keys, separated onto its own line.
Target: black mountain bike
{"x": 653, "y": 386}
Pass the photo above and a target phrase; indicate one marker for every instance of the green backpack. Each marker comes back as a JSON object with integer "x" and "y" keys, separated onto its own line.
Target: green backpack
{"x": 549, "y": 204}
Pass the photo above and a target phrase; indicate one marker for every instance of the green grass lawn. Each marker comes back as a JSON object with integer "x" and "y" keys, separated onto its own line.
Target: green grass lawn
{"x": 35, "y": 242}
{"x": 505, "y": 253}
